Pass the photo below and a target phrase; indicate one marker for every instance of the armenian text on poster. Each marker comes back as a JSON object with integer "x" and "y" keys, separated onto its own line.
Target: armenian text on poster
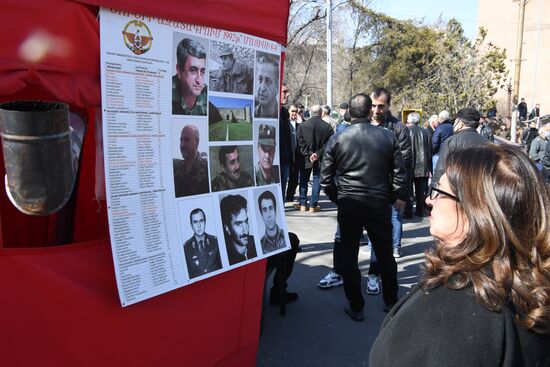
{"x": 190, "y": 133}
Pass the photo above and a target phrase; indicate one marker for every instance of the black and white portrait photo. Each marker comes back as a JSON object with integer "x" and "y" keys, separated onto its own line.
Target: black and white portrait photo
{"x": 237, "y": 228}
{"x": 201, "y": 247}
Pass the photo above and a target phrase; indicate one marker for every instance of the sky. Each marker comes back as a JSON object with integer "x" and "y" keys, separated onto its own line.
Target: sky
{"x": 465, "y": 11}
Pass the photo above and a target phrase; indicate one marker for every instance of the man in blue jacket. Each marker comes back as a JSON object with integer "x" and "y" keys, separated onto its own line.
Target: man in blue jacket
{"x": 442, "y": 132}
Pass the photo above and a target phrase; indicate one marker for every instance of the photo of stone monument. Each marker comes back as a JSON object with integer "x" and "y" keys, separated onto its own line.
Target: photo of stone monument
{"x": 230, "y": 119}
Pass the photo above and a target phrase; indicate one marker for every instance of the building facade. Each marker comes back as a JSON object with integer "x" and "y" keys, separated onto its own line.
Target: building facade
{"x": 501, "y": 18}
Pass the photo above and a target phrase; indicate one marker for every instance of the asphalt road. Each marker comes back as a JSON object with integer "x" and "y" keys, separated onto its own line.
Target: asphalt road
{"x": 315, "y": 330}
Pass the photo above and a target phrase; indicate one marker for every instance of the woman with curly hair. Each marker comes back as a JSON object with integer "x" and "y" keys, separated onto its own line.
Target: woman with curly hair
{"x": 484, "y": 299}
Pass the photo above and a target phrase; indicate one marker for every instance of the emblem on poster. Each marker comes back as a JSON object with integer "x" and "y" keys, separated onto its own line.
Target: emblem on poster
{"x": 137, "y": 37}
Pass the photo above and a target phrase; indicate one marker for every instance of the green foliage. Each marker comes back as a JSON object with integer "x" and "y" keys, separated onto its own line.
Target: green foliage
{"x": 428, "y": 67}
{"x": 219, "y": 131}
{"x": 431, "y": 69}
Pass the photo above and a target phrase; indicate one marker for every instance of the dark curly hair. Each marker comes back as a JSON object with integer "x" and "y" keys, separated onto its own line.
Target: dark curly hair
{"x": 505, "y": 255}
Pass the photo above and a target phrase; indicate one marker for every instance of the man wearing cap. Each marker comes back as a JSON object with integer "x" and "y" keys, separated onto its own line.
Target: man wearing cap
{"x": 233, "y": 77}
{"x": 266, "y": 172}
{"x": 231, "y": 176}
{"x": 344, "y": 120}
{"x": 189, "y": 93}
{"x": 465, "y": 136}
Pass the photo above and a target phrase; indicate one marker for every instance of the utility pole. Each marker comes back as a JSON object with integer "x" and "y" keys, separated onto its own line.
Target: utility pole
{"x": 517, "y": 70}
{"x": 534, "y": 92}
{"x": 329, "y": 53}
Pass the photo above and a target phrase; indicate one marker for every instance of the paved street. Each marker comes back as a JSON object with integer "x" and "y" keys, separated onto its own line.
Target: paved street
{"x": 315, "y": 330}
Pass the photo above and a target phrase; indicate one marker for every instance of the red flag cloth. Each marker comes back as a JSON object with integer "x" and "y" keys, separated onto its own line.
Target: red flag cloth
{"x": 60, "y": 308}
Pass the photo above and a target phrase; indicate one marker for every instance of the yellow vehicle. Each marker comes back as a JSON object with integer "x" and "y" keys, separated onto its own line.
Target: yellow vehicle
{"x": 406, "y": 111}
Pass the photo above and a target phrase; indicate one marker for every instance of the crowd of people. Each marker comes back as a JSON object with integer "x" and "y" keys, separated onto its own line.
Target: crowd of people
{"x": 484, "y": 296}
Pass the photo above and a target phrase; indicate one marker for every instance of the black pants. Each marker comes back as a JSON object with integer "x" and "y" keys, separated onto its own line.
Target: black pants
{"x": 292, "y": 182}
{"x": 284, "y": 263}
{"x": 420, "y": 192}
{"x": 353, "y": 216}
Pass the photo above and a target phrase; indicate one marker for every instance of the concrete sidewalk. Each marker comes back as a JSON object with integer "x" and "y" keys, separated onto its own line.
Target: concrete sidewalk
{"x": 315, "y": 330}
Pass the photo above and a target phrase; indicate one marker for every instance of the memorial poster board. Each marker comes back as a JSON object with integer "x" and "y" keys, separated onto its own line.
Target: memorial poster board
{"x": 191, "y": 141}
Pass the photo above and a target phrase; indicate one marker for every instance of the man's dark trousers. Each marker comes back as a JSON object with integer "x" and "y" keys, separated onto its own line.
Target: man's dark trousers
{"x": 353, "y": 216}
{"x": 420, "y": 192}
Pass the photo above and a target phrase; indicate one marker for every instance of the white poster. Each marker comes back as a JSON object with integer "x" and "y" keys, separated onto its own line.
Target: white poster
{"x": 190, "y": 131}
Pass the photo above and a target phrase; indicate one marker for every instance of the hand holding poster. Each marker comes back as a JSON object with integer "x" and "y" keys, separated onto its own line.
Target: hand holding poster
{"x": 191, "y": 151}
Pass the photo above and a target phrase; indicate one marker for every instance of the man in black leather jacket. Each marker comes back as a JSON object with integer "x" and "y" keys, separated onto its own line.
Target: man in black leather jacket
{"x": 381, "y": 116}
{"x": 363, "y": 172}
{"x": 422, "y": 163}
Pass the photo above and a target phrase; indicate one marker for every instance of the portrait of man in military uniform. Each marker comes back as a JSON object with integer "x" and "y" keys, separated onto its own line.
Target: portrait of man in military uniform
{"x": 191, "y": 172}
{"x": 235, "y": 69}
{"x": 274, "y": 237}
{"x": 266, "y": 172}
{"x": 267, "y": 85}
{"x": 236, "y": 227}
{"x": 202, "y": 253}
{"x": 189, "y": 92}
{"x": 233, "y": 173}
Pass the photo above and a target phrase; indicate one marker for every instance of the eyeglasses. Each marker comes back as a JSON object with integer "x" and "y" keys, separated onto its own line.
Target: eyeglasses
{"x": 433, "y": 193}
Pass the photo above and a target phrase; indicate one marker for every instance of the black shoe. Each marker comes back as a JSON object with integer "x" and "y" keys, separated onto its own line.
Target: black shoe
{"x": 274, "y": 299}
{"x": 387, "y": 308}
{"x": 355, "y": 315}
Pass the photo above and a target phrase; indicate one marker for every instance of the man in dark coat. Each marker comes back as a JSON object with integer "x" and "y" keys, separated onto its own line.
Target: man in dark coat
{"x": 363, "y": 172}
{"x": 529, "y": 135}
{"x": 465, "y": 136}
{"x": 522, "y": 110}
{"x": 296, "y": 156}
{"x": 381, "y": 116}
{"x": 313, "y": 135}
{"x": 422, "y": 162}
{"x": 535, "y": 112}
{"x": 285, "y": 139}
{"x": 442, "y": 132}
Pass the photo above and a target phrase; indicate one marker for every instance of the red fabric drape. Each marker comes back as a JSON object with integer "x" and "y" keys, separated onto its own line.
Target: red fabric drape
{"x": 263, "y": 18}
{"x": 60, "y": 308}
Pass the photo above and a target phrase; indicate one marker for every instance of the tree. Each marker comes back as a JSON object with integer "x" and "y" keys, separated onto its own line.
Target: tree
{"x": 431, "y": 67}
{"x": 462, "y": 74}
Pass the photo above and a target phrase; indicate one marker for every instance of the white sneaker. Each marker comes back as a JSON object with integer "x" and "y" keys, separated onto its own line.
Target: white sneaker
{"x": 331, "y": 280}
{"x": 396, "y": 253}
{"x": 372, "y": 285}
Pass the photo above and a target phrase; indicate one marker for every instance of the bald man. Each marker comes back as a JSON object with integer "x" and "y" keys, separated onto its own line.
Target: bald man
{"x": 191, "y": 172}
